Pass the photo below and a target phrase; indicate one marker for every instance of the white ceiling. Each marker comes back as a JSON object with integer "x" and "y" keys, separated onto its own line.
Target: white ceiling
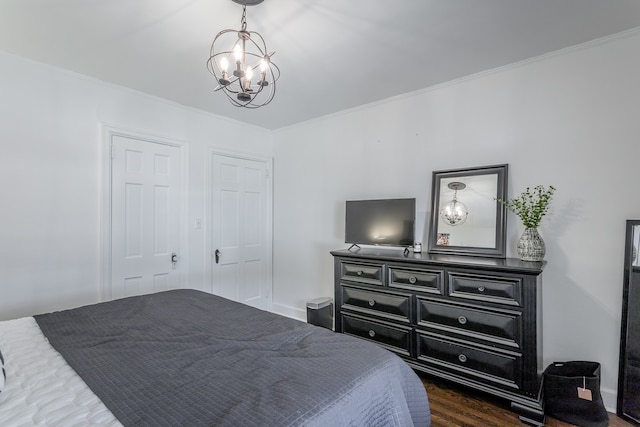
{"x": 333, "y": 54}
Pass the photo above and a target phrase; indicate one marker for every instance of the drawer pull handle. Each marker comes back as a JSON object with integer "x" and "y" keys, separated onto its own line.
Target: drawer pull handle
{"x": 462, "y": 320}
{"x": 481, "y": 288}
{"x": 462, "y": 358}
{"x": 412, "y": 279}
{"x": 359, "y": 273}
{"x": 372, "y": 302}
{"x": 372, "y": 333}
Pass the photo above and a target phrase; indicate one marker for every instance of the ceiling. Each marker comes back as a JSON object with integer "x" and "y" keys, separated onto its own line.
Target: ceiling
{"x": 333, "y": 54}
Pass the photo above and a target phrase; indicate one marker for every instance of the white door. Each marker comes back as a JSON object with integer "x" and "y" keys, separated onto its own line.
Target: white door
{"x": 145, "y": 216}
{"x": 240, "y": 230}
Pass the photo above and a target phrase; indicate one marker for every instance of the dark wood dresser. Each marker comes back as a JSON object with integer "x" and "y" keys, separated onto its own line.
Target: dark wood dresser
{"x": 471, "y": 320}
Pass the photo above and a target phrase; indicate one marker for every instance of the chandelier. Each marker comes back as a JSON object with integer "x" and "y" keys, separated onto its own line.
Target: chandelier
{"x": 455, "y": 212}
{"x": 251, "y": 83}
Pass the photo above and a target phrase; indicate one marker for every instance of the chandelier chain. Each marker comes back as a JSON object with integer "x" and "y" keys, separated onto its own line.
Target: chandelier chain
{"x": 243, "y": 21}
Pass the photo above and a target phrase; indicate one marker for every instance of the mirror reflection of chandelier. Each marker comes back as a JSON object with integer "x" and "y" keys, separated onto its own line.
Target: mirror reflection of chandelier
{"x": 243, "y": 67}
{"x": 455, "y": 212}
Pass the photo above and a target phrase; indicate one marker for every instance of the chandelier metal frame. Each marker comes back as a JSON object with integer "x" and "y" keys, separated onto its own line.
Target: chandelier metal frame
{"x": 455, "y": 212}
{"x": 250, "y": 55}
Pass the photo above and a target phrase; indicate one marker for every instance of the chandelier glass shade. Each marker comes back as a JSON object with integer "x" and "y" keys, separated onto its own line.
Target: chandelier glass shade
{"x": 242, "y": 66}
{"x": 455, "y": 212}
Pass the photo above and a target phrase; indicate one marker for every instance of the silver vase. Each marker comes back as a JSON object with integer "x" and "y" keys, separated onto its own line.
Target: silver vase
{"x": 531, "y": 246}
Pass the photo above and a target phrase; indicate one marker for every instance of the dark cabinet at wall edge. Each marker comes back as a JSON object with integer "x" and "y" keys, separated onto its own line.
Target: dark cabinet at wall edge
{"x": 471, "y": 320}
{"x": 628, "y": 404}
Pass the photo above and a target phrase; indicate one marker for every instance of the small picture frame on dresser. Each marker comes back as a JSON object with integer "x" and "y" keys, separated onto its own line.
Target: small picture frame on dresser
{"x": 443, "y": 239}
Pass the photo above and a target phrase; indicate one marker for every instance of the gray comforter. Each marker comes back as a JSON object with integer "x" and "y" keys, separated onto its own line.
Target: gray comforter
{"x": 190, "y": 358}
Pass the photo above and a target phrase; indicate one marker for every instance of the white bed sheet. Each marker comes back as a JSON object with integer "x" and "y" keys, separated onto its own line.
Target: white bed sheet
{"x": 42, "y": 389}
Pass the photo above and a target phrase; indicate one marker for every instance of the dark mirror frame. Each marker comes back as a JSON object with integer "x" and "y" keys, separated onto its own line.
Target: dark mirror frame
{"x": 628, "y": 404}
{"x": 499, "y": 250}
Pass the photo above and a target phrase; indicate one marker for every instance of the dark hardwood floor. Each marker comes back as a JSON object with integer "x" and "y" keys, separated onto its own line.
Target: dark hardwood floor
{"x": 452, "y": 405}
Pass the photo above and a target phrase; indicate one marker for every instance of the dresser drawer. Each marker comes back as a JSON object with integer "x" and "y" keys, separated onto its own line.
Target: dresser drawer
{"x": 477, "y": 363}
{"x": 503, "y": 327}
{"x": 363, "y": 273}
{"x": 496, "y": 289}
{"x": 417, "y": 280}
{"x": 395, "y": 338}
{"x": 380, "y": 303}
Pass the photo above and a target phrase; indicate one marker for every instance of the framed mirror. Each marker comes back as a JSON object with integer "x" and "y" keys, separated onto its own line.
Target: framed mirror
{"x": 628, "y": 404}
{"x": 466, "y": 219}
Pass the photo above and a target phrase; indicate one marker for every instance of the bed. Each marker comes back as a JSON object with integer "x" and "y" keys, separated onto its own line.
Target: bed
{"x": 186, "y": 357}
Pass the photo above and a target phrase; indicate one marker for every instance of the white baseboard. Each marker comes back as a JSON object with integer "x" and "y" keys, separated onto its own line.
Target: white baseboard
{"x": 610, "y": 399}
{"x": 292, "y": 312}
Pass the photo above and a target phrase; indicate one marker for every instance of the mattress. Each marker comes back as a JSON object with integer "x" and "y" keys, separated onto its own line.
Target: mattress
{"x": 42, "y": 389}
{"x": 190, "y": 358}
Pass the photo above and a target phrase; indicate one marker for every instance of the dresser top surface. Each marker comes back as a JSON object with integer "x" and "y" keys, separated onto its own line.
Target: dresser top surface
{"x": 398, "y": 255}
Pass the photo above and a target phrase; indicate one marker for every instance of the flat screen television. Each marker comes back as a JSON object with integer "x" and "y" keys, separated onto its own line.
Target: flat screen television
{"x": 388, "y": 222}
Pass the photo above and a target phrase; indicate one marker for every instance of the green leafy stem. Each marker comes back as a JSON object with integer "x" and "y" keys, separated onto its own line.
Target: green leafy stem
{"x": 531, "y": 205}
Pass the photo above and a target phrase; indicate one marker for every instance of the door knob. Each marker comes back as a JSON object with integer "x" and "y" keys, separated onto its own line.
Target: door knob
{"x": 174, "y": 260}
{"x": 217, "y": 254}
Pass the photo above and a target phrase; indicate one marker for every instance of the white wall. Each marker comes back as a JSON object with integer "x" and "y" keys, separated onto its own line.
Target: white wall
{"x": 570, "y": 120}
{"x": 51, "y": 178}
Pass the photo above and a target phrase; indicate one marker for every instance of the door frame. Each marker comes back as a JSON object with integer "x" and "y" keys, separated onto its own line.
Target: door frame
{"x": 209, "y": 255}
{"x": 108, "y": 131}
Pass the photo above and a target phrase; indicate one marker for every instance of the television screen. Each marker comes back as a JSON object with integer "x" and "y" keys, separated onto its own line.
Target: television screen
{"x": 380, "y": 222}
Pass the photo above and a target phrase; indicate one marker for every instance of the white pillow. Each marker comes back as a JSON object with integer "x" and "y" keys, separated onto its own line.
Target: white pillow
{"x": 3, "y": 374}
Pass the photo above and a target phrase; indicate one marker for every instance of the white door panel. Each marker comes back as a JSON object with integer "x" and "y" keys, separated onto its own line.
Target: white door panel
{"x": 145, "y": 217}
{"x": 240, "y": 230}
